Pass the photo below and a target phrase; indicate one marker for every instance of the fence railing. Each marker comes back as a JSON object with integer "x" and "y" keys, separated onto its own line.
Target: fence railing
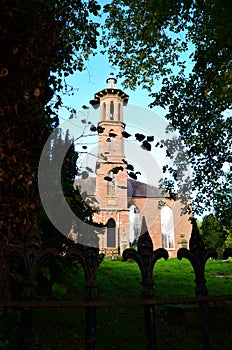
{"x": 90, "y": 259}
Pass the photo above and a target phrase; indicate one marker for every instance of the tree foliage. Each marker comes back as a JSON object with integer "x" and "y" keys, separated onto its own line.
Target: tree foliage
{"x": 214, "y": 234}
{"x": 42, "y": 41}
{"x": 181, "y": 51}
{"x": 50, "y": 234}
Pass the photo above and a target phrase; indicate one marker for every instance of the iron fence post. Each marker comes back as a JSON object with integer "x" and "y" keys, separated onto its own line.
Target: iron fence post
{"x": 26, "y": 329}
{"x": 198, "y": 256}
{"x": 90, "y": 260}
{"x": 146, "y": 259}
{"x": 32, "y": 257}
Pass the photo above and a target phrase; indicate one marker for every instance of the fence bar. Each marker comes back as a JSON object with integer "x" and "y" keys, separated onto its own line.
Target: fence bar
{"x": 146, "y": 259}
{"x": 90, "y": 259}
{"x": 32, "y": 256}
{"x": 198, "y": 256}
{"x": 77, "y": 303}
{"x": 26, "y": 324}
{"x": 204, "y": 321}
{"x": 149, "y": 323}
{"x": 90, "y": 327}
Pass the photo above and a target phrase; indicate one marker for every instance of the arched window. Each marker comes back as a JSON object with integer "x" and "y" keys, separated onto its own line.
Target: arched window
{"x": 134, "y": 224}
{"x": 167, "y": 227}
{"x": 111, "y": 110}
{"x": 119, "y": 111}
{"x": 104, "y": 110}
{"x": 111, "y": 184}
{"x": 111, "y": 234}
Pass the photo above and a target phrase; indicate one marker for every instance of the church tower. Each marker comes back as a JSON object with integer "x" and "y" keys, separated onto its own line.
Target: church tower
{"x": 111, "y": 175}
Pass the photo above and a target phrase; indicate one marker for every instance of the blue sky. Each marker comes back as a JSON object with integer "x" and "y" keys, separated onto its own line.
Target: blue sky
{"x": 137, "y": 116}
{"x": 92, "y": 80}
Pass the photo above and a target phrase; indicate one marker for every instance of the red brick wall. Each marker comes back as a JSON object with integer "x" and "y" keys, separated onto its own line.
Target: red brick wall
{"x": 151, "y": 210}
{"x": 121, "y": 218}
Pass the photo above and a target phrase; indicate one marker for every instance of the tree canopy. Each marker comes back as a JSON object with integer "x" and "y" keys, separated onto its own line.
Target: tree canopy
{"x": 51, "y": 174}
{"x": 42, "y": 42}
{"x": 214, "y": 234}
{"x": 181, "y": 52}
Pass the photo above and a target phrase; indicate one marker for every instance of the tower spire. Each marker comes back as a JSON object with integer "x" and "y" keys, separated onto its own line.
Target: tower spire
{"x": 111, "y": 81}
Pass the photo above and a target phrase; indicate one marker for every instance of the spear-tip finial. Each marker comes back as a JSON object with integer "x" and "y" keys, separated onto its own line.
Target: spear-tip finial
{"x": 111, "y": 81}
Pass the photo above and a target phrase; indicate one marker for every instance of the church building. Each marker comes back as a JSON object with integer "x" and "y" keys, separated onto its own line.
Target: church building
{"x": 124, "y": 203}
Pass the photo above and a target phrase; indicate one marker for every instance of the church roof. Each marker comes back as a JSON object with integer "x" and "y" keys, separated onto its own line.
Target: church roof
{"x": 134, "y": 188}
{"x": 86, "y": 185}
{"x": 140, "y": 189}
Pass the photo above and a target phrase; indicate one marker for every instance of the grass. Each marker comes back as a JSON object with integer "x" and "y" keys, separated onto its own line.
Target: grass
{"x": 122, "y": 327}
{"x": 172, "y": 278}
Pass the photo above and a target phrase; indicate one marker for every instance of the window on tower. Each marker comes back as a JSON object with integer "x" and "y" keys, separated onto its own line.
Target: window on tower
{"x": 111, "y": 110}
{"x": 111, "y": 184}
{"x": 119, "y": 111}
{"x": 104, "y": 110}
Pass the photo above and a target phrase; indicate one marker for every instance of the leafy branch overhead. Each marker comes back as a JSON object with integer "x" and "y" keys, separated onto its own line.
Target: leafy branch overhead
{"x": 42, "y": 43}
{"x": 145, "y": 144}
{"x": 185, "y": 46}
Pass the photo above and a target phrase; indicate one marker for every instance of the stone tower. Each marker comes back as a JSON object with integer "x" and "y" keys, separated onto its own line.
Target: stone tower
{"x": 111, "y": 175}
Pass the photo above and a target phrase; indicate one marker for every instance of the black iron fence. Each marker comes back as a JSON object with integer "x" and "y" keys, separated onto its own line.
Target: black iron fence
{"x": 90, "y": 259}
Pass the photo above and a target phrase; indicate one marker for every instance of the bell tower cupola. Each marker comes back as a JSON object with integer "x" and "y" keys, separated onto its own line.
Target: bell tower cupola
{"x": 111, "y": 101}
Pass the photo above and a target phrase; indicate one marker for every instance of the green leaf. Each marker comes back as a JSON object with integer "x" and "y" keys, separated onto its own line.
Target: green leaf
{"x": 45, "y": 271}
{"x": 58, "y": 290}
